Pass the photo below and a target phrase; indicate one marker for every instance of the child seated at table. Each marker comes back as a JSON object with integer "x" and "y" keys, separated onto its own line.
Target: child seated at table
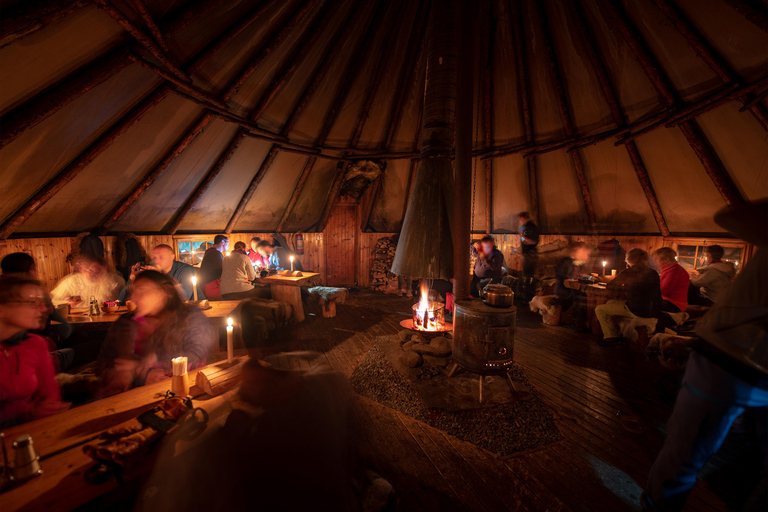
{"x": 28, "y": 388}
{"x": 640, "y": 284}
{"x": 140, "y": 345}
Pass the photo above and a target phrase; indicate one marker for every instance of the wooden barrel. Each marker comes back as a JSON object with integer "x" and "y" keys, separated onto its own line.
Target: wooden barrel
{"x": 483, "y": 337}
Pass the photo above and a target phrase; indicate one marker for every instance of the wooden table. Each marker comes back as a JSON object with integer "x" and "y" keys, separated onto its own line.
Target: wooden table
{"x": 59, "y": 440}
{"x": 288, "y": 289}
{"x": 219, "y": 309}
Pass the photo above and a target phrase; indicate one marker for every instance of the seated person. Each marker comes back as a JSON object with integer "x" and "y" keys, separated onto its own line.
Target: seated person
{"x": 209, "y": 275}
{"x": 164, "y": 261}
{"x": 674, "y": 286}
{"x": 258, "y": 261}
{"x": 641, "y": 285}
{"x": 28, "y": 388}
{"x": 570, "y": 267}
{"x": 237, "y": 277}
{"x": 280, "y": 258}
{"x": 489, "y": 265}
{"x": 709, "y": 283}
{"x": 23, "y": 265}
{"x": 90, "y": 278}
{"x": 140, "y": 345}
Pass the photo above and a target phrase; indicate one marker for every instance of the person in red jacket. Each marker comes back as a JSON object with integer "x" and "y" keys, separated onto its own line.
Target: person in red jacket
{"x": 674, "y": 286}
{"x": 28, "y": 388}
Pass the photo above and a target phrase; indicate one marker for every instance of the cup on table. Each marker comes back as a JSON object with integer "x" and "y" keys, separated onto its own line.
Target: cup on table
{"x": 63, "y": 310}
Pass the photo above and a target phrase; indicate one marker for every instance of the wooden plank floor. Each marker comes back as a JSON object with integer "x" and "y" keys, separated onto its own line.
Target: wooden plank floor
{"x": 610, "y": 405}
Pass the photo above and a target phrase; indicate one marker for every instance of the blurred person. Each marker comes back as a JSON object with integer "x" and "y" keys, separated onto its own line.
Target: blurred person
{"x": 489, "y": 265}
{"x": 209, "y": 275}
{"x": 570, "y": 267}
{"x": 641, "y": 285}
{"x": 22, "y": 264}
{"x": 726, "y": 374}
{"x": 529, "y": 240}
{"x": 710, "y": 282}
{"x": 237, "y": 277}
{"x": 674, "y": 283}
{"x": 259, "y": 262}
{"x": 90, "y": 278}
{"x": 280, "y": 258}
{"x": 28, "y": 388}
{"x": 140, "y": 345}
{"x": 164, "y": 261}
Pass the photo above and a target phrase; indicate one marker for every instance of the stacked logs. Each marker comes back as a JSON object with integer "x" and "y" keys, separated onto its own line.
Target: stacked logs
{"x": 381, "y": 263}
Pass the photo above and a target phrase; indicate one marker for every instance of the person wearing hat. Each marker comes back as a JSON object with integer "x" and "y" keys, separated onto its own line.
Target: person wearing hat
{"x": 726, "y": 374}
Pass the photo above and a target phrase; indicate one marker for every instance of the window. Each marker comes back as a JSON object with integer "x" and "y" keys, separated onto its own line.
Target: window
{"x": 191, "y": 249}
{"x": 690, "y": 252}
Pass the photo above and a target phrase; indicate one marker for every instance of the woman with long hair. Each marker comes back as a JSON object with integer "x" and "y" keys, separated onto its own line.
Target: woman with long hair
{"x": 28, "y": 388}
{"x": 140, "y": 345}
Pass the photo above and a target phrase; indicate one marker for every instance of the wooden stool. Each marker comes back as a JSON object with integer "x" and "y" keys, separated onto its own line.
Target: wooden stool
{"x": 328, "y": 298}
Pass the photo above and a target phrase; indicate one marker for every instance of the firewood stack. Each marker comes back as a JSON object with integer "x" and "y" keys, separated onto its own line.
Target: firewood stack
{"x": 381, "y": 262}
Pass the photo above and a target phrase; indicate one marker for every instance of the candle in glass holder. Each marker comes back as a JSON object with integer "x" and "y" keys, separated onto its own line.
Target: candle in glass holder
{"x": 613, "y": 272}
{"x": 604, "y": 264}
{"x": 180, "y": 377}
{"x": 194, "y": 288}
{"x": 291, "y": 263}
{"x": 230, "y": 340}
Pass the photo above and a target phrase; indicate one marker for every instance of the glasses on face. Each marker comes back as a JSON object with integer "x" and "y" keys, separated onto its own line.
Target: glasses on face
{"x": 32, "y": 302}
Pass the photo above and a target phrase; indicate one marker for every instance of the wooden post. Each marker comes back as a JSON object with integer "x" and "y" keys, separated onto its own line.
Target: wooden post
{"x": 668, "y": 96}
{"x": 462, "y": 202}
{"x": 524, "y": 99}
{"x": 338, "y": 181}
{"x": 609, "y": 95}
{"x": 202, "y": 187}
{"x": 181, "y": 144}
{"x": 487, "y": 112}
{"x": 80, "y": 162}
{"x": 263, "y": 168}
{"x": 24, "y": 18}
{"x": 296, "y": 193}
{"x": 365, "y": 216}
{"x": 565, "y": 114}
{"x": 149, "y": 21}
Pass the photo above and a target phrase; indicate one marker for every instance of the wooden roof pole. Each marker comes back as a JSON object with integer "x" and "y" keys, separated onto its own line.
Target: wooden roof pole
{"x": 310, "y": 163}
{"x": 524, "y": 98}
{"x": 82, "y": 161}
{"x": 338, "y": 181}
{"x": 669, "y": 98}
{"x": 196, "y": 128}
{"x": 565, "y": 112}
{"x": 583, "y": 34}
{"x": 40, "y": 107}
{"x": 415, "y": 46}
{"x": 487, "y": 112}
{"x": 25, "y": 18}
{"x": 149, "y": 21}
{"x": 709, "y": 55}
{"x": 754, "y": 13}
{"x": 143, "y": 39}
{"x": 96, "y": 148}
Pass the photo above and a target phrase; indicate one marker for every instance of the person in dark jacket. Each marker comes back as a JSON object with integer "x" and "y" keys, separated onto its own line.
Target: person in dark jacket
{"x": 209, "y": 275}
{"x": 489, "y": 264}
{"x": 140, "y": 345}
{"x": 570, "y": 267}
{"x": 640, "y": 283}
{"x": 529, "y": 240}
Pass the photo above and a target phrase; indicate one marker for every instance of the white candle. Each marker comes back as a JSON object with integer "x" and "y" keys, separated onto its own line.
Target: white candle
{"x": 194, "y": 287}
{"x": 230, "y": 340}
{"x": 291, "y": 263}
{"x": 604, "y": 264}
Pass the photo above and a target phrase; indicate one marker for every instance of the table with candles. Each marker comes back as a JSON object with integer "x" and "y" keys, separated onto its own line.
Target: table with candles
{"x": 217, "y": 309}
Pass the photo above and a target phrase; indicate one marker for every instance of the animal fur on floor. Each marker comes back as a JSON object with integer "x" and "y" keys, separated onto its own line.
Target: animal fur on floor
{"x": 328, "y": 293}
{"x": 547, "y": 306}
{"x": 671, "y": 350}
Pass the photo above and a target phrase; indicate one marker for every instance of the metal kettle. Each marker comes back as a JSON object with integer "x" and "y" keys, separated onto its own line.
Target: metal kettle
{"x": 497, "y": 296}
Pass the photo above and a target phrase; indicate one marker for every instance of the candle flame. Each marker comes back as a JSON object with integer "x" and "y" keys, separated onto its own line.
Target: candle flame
{"x": 194, "y": 279}
{"x": 230, "y": 322}
{"x": 291, "y": 258}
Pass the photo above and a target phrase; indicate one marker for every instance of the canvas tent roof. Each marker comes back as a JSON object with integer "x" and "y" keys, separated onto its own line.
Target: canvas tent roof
{"x": 204, "y": 115}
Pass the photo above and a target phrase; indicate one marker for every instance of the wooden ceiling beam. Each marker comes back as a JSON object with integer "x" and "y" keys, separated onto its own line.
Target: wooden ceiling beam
{"x": 583, "y": 35}
{"x": 565, "y": 112}
{"x": 407, "y": 72}
{"x": 338, "y": 181}
{"x": 32, "y": 112}
{"x": 669, "y": 97}
{"x": 149, "y": 22}
{"x": 143, "y": 39}
{"x": 27, "y": 17}
{"x": 709, "y": 55}
{"x": 524, "y": 99}
{"x": 310, "y": 163}
{"x": 752, "y": 11}
{"x": 252, "y": 186}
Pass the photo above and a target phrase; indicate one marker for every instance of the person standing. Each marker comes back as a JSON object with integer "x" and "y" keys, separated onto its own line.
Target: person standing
{"x": 726, "y": 373}
{"x": 529, "y": 240}
{"x": 209, "y": 275}
{"x": 489, "y": 265}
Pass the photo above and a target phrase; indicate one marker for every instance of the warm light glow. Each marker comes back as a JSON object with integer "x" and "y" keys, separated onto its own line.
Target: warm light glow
{"x": 605, "y": 263}
{"x": 229, "y": 252}
{"x": 194, "y": 280}
{"x": 230, "y": 322}
{"x": 425, "y": 315}
{"x": 291, "y": 259}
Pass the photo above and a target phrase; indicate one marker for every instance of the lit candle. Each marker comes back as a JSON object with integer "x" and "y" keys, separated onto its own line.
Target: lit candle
{"x": 194, "y": 288}
{"x": 291, "y": 263}
{"x": 230, "y": 340}
{"x": 613, "y": 272}
{"x": 604, "y": 264}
